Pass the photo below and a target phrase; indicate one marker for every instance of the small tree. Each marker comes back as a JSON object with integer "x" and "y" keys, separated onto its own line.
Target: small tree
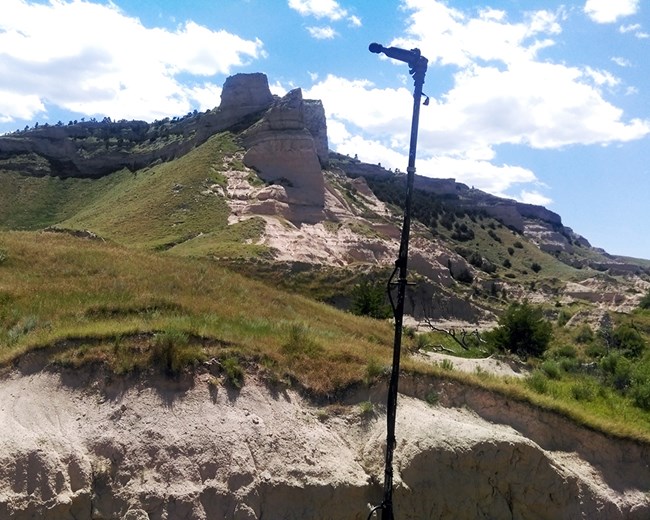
{"x": 523, "y": 330}
{"x": 369, "y": 299}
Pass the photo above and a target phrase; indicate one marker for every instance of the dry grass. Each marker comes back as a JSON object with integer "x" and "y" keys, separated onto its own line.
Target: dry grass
{"x": 93, "y": 295}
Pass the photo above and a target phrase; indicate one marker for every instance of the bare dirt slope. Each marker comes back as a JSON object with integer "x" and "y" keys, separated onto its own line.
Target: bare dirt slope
{"x": 79, "y": 445}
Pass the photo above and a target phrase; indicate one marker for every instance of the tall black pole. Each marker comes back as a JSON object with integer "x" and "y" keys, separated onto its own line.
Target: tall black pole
{"x": 418, "y": 68}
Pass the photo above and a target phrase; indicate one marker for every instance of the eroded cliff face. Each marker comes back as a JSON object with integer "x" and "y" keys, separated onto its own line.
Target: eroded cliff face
{"x": 80, "y": 446}
{"x": 283, "y": 151}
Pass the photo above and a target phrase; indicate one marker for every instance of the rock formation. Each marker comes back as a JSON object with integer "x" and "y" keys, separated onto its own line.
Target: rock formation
{"x": 135, "y": 450}
{"x": 283, "y": 151}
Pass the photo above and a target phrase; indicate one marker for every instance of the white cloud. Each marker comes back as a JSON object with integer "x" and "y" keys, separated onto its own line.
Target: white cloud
{"x": 322, "y": 33}
{"x": 636, "y": 29}
{"x": 94, "y": 59}
{"x": 449, "y": 36}
{"x": 534, "y": 197}
{"x": 206, "y": 96}
{"x": 622, "y": 62}
{"x": 503, "y": 92}
{"x": 329, "y": 9}
{"x": 609, "y": 11}
{"x": 629, "y": 28}
{"x": 16, "y": 105}
{"x": 355, "y": 21}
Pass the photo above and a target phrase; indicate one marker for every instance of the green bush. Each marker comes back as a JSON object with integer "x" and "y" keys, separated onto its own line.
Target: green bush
{"x": 643, "y": 304}
{"x": 583, "y": 391}
{"x": 641, "y": 395}
{"x": 374, "y": 369}
{"x": 172, "y": 352}
{"x": 522, "y": 330}
{"x": 369, "y": 299}
{"x": 563, "y": 317}
{"x": 300, "y": 343}
{"x": 627, "y": 338}
{"x": 538, "y": 382}
{"x": 617, "y": 369}
{"x": 565, "y": 351}
{"x": 233, "y": 371}
{"x": 551, "y": 369}
{"x": 584, "y": 334}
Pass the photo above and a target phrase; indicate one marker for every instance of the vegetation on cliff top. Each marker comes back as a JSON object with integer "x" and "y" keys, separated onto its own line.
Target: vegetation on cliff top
{"x": 79, "y": 301}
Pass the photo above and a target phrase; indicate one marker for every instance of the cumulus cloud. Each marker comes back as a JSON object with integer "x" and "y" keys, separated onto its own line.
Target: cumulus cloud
{"x": 503, "y": 93}
{"x": 534, "y": 197}
{"x": 94, "y": 59}
{"x": 329, "y": 9}
{"x": 322, "y": 33}
{"x": 319, "y": 8}
{"x": 609, "y": 11}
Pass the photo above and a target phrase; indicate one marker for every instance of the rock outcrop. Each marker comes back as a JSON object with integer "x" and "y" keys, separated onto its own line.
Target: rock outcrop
{"x": 243, "y": 95}
{"x": 77, "y": 448}
{"x": 283, "y": 151}
{"x": 95, "y": 149}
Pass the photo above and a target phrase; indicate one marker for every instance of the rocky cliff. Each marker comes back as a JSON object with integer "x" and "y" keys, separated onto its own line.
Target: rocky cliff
{"x": 79, "y": 446}
{"x": 95, "y": 149}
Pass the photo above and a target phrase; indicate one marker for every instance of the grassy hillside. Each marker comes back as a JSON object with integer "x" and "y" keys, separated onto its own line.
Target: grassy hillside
{"x": 80, "y": 302}
{"x": 89, "y": 301}
{"x": 156, "y": 208}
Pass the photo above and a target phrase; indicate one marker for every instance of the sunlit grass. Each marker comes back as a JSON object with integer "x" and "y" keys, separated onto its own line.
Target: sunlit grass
{"x": 84, "y": 302}
{"x": 57, "y": 290}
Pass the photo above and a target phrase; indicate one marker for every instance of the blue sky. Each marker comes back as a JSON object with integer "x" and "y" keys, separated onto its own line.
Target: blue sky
{"x": 547, "y": 102}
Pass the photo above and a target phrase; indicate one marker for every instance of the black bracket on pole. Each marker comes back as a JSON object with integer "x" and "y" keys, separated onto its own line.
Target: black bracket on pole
{"x": 417, "y": 68}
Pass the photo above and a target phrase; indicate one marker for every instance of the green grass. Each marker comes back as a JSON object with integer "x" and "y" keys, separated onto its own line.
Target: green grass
{"x": 170, "y": 206}
{"x": 81, "y": 302}
{"x": 59, "y": 293}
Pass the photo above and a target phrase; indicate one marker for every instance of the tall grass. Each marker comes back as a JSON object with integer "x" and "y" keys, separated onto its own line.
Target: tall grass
{"x": 169, "y": 312}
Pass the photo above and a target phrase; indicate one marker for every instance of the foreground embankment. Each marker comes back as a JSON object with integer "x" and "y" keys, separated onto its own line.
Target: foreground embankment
{"x": 83, "y": 445}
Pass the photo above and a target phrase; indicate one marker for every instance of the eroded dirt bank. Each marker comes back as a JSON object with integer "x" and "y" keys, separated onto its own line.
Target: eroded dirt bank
{"x": 78, "y": 446}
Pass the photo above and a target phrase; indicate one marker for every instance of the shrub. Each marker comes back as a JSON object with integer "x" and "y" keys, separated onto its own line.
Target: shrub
{"x": 566, "y": 351}
{"x": 447, "y": 365}
{"x": 299, "y": 342}
{"x": 584, "y": 334}
{"x": 494, "y": 236}
{"x": 523, "y": 330}
{"x": 369, "y": 299}
{"x": 507, "y": 263}
{"x": 617, "y": 369}
{"x": 538, "y": 382}
{"x": 563, "y": 317}
{"x": 551, "y": 369}
{"x": 641, "y": 395}
{"x": 464, "y": 276}
{"x": 233, "y": 371}
{"x": 583, "y": 391}
{"x": 643, "y": 304}
{"x": 374, "y": 369}
{"x": 366, "y": 408}
{"x": 627, "y": 338}
{"x": 172, "y": 352}
{"x": 536, "y": 267}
